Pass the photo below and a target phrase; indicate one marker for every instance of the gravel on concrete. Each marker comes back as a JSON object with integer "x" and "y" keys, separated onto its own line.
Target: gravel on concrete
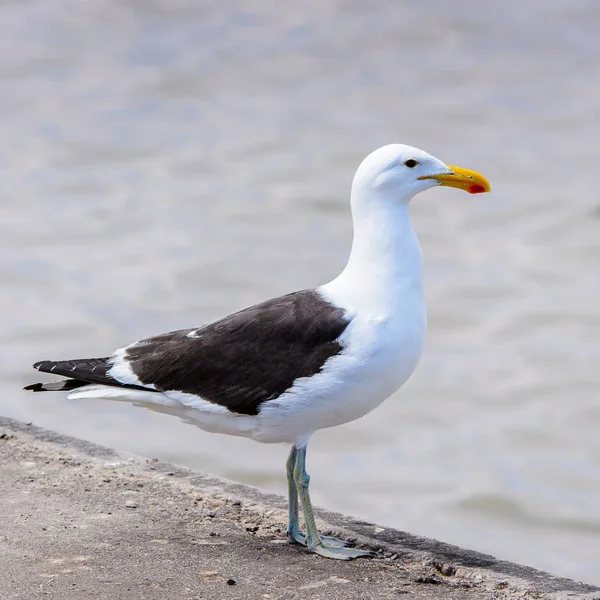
{"x": 81, "y": 521}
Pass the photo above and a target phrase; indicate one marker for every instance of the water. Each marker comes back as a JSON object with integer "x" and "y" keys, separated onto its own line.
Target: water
{"x": 167, "y": 162}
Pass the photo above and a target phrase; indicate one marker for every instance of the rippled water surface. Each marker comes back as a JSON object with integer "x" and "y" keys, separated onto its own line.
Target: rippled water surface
{"x": 166, "y": 162}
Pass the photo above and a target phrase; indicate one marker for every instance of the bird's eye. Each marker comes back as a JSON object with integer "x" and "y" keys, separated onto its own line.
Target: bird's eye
{"x": 411, "y": 163}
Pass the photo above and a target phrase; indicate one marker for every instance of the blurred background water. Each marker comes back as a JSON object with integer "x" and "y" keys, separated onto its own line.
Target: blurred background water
{"x": 166, "y": 162}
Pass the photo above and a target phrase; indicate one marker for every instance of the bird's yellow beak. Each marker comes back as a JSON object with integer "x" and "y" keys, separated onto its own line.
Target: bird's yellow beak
{"x": 463, "y": 179}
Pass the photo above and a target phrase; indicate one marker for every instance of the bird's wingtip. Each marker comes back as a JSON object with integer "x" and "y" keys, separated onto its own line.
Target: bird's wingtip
{"x": 34, "y": 387}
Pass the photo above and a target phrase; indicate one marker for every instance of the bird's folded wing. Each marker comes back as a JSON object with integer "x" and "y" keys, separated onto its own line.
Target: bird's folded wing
{"x": 242, "y": 360}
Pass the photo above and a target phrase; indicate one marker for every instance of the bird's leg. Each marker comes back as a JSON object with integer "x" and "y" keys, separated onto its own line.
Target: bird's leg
{"x": 328, "y": 547}
{"x": 294, "y": 533}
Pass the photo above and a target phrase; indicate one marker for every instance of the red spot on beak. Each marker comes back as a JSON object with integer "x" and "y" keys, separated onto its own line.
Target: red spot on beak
{"x": 476, "y": 189}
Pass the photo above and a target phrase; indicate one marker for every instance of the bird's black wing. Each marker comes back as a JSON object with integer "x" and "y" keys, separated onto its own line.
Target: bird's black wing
{"x": 242, "y": 360}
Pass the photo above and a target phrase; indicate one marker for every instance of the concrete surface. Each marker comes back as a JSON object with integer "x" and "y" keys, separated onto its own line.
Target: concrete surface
{"x": 81, "y": 521}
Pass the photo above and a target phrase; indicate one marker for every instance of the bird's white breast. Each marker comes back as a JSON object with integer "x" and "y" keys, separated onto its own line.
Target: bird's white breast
{"x": 381, "y": 349}
{"x": 381, "y": 290}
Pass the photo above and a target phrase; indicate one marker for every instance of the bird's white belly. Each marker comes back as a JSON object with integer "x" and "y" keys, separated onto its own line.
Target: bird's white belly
{"x": 378, "y": 359}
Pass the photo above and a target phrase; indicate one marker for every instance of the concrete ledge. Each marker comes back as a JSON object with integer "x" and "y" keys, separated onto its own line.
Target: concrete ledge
{"x": 82, "y": 521}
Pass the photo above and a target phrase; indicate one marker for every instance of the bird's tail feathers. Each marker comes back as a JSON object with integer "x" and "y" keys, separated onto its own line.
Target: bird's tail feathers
{"x": 56, "y": 386}
{"x": 81, "y": 372}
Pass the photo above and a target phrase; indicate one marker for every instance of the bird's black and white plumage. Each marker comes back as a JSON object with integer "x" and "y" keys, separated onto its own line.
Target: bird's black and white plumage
{"x": 280, "y": 370}
{"x": 237, "y": 363}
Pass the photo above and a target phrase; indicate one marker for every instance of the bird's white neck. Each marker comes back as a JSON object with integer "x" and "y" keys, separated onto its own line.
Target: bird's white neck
{"x": 385, "y": 265}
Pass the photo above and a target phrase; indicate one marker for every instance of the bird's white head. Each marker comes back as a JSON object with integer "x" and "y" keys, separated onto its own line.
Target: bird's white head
{"x": 396, "y": 173}
{"x": 384, "y": 270}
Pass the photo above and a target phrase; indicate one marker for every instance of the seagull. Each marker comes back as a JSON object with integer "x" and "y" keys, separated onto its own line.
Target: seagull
{"x": 282, "y": 369}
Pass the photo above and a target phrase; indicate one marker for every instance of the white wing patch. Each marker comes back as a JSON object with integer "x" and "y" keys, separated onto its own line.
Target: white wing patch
{"x": 121, "y": 369}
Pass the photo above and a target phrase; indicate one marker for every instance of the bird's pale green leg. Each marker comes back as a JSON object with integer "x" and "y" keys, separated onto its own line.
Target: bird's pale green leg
{"x": 293, "y": 532}
{"x": 314, "y": 542}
